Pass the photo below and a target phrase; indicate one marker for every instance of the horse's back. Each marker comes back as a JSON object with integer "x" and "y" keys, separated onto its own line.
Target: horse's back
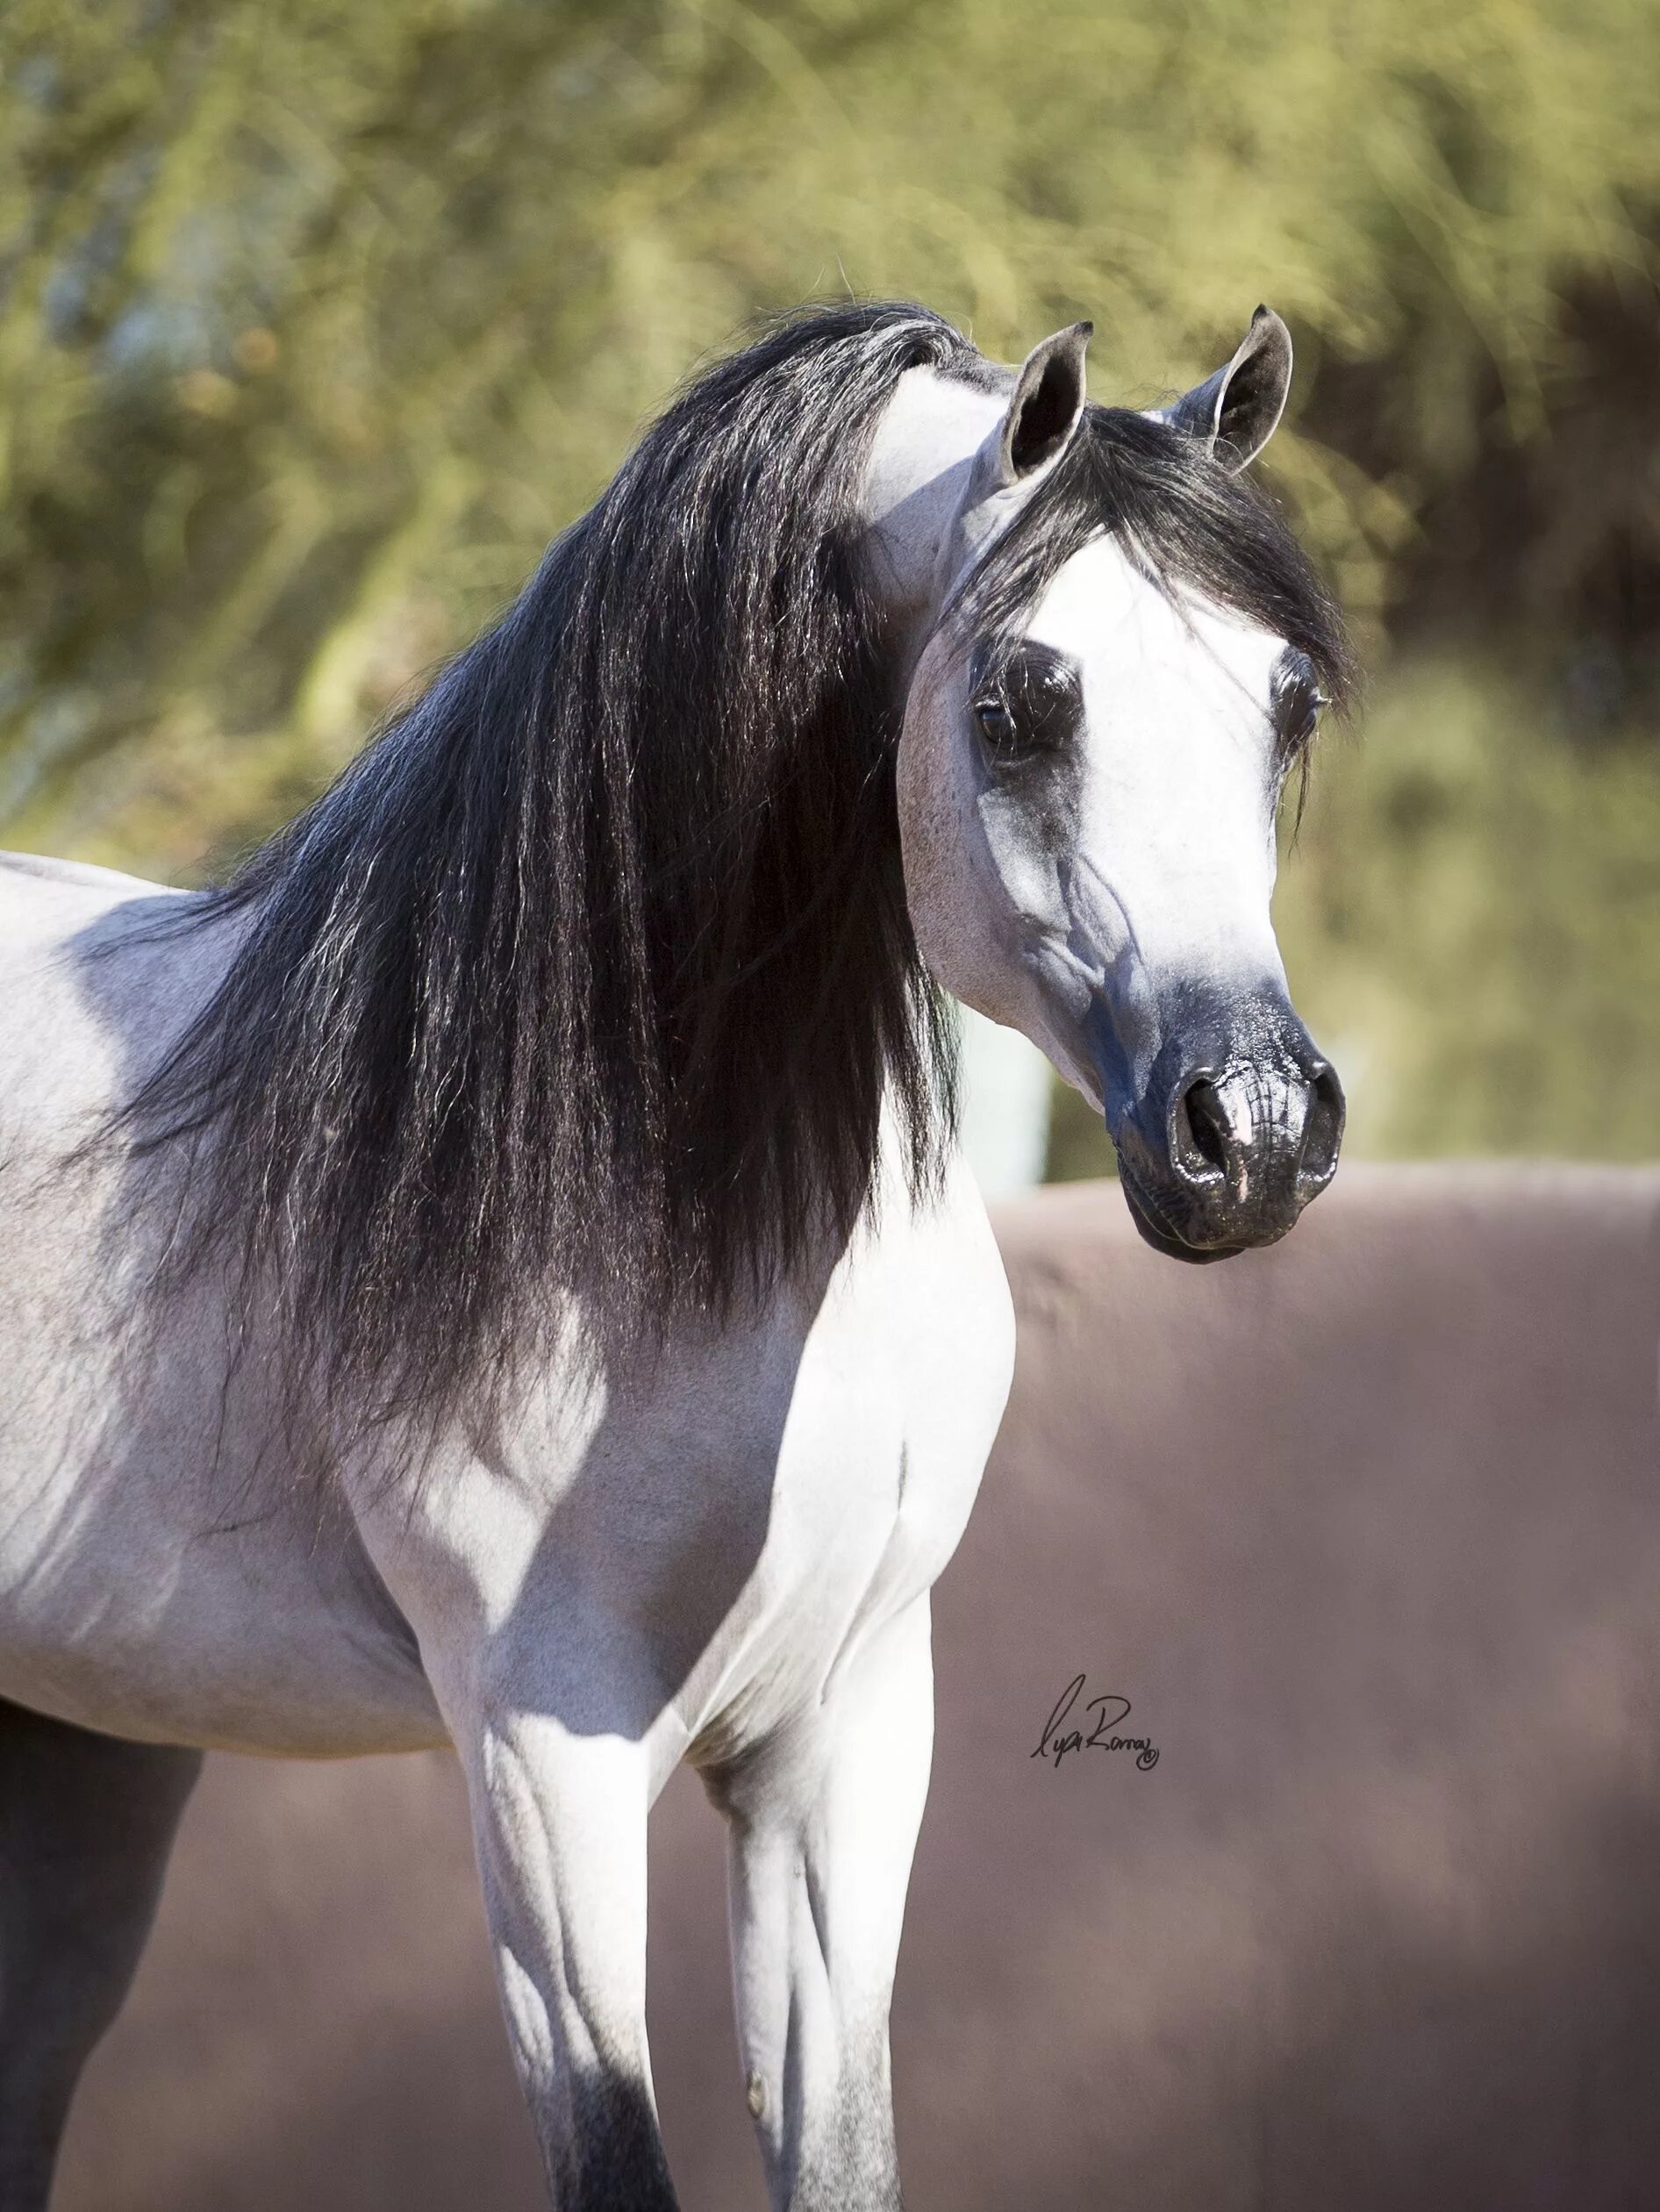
{"x": 43, "y": 899}
{"x": 84, "y": 991}
{"x": 145, "y": 1486}
{"x": 47, "y": 868}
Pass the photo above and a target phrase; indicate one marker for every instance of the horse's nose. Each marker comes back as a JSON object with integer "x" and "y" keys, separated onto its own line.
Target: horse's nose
{"x": 1260, "y": 1138}
{"x": 1236, "y": 1127}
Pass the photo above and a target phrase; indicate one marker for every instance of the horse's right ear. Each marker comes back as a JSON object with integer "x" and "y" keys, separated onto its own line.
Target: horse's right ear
{"x": 1048, "y": 402}
{"x": 1234, "y": 413}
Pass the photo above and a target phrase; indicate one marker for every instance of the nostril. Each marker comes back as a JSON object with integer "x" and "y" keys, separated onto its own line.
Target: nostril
{"x": 1200, "y": 1113}
{"x": 1323, "y": 1130}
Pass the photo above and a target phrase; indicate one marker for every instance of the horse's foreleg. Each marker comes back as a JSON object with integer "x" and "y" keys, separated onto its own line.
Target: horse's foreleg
{"x": 560, "y": 1824}
{"x": 86, "y": 1824}
{"x": 823, "y": 1826}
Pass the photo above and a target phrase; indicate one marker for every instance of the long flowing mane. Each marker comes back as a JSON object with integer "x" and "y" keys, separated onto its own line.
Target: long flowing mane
{"x": 594, "y": 971}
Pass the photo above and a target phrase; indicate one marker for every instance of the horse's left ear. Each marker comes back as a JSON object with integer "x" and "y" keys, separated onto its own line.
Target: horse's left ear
{"x": 1048, "y": 402}
{"x": 1235, "y": 410}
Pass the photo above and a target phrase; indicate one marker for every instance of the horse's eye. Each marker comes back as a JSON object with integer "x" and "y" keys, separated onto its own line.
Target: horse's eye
{"x": 1297, "y": 702}
{"x": 1302, "y": 728}
{"x": 996, "y": 722}
{"x": 1025, "y": 704}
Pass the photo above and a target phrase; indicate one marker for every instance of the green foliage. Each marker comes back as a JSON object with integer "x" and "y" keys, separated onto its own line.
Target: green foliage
{"x": 1472, "y": 922}
{"x": 317, "y": 320}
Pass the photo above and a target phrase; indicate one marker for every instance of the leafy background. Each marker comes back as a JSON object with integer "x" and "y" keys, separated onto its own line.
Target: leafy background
{"x": 318, "y": 320}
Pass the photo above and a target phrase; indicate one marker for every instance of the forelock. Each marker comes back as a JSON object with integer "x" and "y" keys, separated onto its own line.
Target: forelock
{"x": 1190, "y": 524}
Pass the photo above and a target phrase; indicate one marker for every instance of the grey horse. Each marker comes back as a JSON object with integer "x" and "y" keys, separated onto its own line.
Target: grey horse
{"x": 497, "y": 1272}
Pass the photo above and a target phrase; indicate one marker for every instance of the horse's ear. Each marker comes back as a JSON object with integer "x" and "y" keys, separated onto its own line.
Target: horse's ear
{"x": 1235, "y": 410}
{"x": 1046, "y": 403}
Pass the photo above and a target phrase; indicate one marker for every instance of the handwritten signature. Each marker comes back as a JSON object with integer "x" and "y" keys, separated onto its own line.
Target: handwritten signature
{"x": 1057, "y": 1739}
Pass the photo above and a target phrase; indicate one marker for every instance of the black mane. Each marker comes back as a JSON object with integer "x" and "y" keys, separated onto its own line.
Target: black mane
{"x": 594, "y": 970}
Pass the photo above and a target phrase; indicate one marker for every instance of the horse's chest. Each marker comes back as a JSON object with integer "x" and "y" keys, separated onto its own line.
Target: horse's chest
{"x": 896, "y": 1402}
{"x": 878, "y": 1502}
{"x": 693, "y": 1548}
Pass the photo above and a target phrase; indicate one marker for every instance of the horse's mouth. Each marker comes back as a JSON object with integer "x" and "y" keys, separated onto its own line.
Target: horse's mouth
{"x": 1156, "y": 1230}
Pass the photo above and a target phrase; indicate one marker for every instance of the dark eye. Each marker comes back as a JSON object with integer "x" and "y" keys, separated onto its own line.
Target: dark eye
{"x": 995, "y": 719}
{"x": 1297, "y": 702}
{"x": 1025, "y": 702}
{"x": 1316, "y": 706}
{"x": 1305, "y": 715}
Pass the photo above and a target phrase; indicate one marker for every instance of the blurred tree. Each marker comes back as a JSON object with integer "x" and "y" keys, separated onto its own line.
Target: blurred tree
{"x": 317, "y": 319}
{"x": 1472, "y": 919}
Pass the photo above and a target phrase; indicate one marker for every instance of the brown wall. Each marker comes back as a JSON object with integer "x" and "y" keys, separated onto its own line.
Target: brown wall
{"x": 1367, "y": 1528}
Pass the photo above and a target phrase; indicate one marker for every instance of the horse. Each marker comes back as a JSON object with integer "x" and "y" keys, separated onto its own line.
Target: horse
{"x": 496, "y": 1271}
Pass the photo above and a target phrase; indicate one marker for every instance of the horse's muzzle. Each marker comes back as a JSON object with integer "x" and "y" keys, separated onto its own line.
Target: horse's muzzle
{"x": 1238, "y": 1128}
